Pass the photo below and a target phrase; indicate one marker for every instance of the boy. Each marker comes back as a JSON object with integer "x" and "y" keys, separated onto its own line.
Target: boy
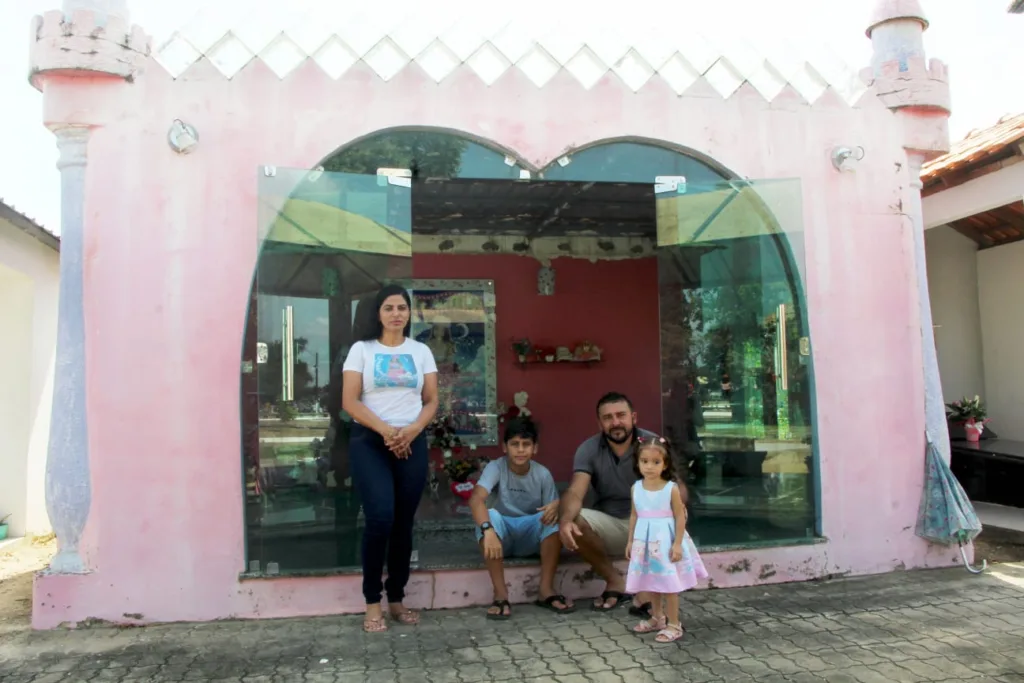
{"x": 523, "y": 520}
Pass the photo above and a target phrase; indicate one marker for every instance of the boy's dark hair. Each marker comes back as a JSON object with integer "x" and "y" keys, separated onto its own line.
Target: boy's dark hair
{"x": 520, "y": 427}
{"x": 613, "y": 397}
{"x": 672, "y": 471}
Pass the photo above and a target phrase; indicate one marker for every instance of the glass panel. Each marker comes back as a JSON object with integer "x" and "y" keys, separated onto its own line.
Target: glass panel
{"x": 737, "y": 383}
{"x": 326, "y": 242}
{"x": 629, "y": 162}
{"x": 426, "y": 153}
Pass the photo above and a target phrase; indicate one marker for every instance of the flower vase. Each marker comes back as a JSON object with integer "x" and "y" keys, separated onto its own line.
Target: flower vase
{"x": 463, "y": 489}
{"x": 973, "y": 430}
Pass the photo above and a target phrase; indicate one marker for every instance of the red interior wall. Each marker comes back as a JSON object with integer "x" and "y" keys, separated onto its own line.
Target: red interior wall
{"x": 613, "y": 304}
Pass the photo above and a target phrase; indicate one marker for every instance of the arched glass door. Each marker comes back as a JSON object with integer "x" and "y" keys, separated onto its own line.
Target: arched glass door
{"x": 327, "y": 240}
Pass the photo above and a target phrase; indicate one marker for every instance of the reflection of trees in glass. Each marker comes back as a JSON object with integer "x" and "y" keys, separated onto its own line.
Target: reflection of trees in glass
{"x": 270, "y": 373}
{"x": 432, "y": 154}
{"x": 736, "y": 345}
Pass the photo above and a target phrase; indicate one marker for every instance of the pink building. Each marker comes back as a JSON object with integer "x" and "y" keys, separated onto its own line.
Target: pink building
{"x": 739, "y": 236}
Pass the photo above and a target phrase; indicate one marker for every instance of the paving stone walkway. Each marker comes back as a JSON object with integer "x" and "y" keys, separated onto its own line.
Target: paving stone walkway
{"x": 930, "y": 626}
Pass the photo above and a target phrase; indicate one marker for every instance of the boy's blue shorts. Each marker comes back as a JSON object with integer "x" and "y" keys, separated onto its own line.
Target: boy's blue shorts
{"x": 520, "y": 536}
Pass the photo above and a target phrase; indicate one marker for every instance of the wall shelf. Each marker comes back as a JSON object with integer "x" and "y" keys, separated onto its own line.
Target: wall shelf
{"x": 578, "y": 363}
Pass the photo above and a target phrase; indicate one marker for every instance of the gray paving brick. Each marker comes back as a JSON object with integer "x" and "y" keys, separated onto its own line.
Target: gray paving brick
{"x": 931, "y": 626}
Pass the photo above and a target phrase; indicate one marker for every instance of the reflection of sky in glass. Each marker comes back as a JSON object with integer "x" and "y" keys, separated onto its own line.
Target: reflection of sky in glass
{"x": 310, "y": 320}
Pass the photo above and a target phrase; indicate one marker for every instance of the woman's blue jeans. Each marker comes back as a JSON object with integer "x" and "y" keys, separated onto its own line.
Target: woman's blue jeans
{"x": 390, "y": 489}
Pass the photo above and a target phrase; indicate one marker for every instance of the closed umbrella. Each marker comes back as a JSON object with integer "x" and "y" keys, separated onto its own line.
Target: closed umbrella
{"x": 946, "y": 515}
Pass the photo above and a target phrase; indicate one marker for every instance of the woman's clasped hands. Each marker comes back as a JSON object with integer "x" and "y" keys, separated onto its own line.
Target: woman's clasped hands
{"x": 399, "y": 441}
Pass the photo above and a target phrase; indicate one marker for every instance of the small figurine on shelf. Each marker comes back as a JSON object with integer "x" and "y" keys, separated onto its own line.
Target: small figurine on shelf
{"x": 544, "y": 354}
{"x": 587, "y": 351}
{"x": 522, "y": 349}
{"x": 563, "y": 354}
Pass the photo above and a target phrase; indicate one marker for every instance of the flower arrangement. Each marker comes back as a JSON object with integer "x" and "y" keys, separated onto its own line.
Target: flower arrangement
{"x": 443, "y": 436}
{"x": 459, "y": 469}
{"x": 967, "y": 410}
{"x": 442, "y": 433}
{"x": 971, "y": 413}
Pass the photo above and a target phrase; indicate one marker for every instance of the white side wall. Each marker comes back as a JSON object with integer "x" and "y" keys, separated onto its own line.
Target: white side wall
{"x": 29, "y": 279}
{"x": 953, "y": 288}
{"x": 1001, "y": 293}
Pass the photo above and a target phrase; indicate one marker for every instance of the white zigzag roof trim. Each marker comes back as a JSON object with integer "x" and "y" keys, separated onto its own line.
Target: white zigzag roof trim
{"x": 680, "y": 42}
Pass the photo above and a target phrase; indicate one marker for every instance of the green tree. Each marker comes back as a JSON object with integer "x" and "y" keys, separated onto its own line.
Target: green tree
{"x": 432, "y": 154}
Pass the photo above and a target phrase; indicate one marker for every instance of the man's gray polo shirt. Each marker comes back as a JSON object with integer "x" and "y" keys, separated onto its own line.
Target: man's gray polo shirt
{"x": 612, "y": 477}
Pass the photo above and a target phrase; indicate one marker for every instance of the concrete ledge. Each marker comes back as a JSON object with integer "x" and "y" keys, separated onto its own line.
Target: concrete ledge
{"x": 9, "y": 544}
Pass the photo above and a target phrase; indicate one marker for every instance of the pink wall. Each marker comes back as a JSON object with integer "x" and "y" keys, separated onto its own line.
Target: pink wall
{"x": 170, "y": 249}
{"x": 611, "y": 303}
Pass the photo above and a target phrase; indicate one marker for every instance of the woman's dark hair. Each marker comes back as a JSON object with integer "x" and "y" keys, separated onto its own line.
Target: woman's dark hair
{"x": 371, "y": 327}
{"x": 521, "y": 427}
{"x": 672, "y": 470}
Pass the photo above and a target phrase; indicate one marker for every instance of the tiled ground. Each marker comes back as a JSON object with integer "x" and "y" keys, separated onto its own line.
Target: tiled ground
{"x": 921, "y": 626}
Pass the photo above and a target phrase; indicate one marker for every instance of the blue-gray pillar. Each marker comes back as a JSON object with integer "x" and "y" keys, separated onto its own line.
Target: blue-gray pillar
{"x": 68, "y": 489}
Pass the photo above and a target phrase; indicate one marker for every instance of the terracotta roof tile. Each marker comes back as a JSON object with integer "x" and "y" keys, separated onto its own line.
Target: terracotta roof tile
{"x": 978, "y": 145}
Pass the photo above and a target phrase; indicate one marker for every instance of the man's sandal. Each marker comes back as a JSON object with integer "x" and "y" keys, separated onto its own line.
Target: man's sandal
{"x": 618, "y": 597}
{"x": 502, "y": 605}
{"x": 670, "y": 634}
{"x": 643, "y": 610}
{"x": 650, "y": 625}
{"x": 377, "y": 625}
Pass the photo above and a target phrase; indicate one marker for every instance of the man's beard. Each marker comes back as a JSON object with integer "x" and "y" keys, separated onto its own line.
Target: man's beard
{"x": 619, "y": 440}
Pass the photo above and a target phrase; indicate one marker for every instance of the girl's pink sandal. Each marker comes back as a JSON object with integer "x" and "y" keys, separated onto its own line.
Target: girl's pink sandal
{"x": 670, "y": 634}
{"x": 650, "y": 625}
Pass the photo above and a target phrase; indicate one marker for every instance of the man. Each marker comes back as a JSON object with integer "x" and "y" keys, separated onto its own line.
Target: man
{"x": 604, "y": 461}
{"x": 522, "y": 521}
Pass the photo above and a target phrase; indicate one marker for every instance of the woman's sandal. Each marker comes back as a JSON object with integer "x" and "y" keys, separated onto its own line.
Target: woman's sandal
{"x": 406, "y": 616}
{"x": 376, "y": 625}
{"x": 650, "y": 625}
{"x": 670, "y": 634}
{"x": 500, "y": 615}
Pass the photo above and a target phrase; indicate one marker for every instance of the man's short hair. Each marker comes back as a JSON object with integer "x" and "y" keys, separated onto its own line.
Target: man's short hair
{"x": 522, "y": 428}
{"x": 613, "y": 397}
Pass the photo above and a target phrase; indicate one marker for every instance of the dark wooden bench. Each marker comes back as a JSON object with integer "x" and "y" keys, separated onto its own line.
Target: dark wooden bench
{"x": 991, "y": 470}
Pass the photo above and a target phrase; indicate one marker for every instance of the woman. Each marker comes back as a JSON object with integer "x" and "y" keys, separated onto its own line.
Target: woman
{"x": 390, "y": 390}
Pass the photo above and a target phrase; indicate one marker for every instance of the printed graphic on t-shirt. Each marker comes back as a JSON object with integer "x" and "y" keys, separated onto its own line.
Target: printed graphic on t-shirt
{"x": 394, "y": 370}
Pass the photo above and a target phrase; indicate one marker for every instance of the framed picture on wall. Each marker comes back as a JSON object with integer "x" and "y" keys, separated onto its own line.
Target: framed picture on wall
{"x": 455, "y": 318}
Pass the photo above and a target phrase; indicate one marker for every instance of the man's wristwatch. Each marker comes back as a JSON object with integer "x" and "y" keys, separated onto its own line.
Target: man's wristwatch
{"x": 485, "y": 526}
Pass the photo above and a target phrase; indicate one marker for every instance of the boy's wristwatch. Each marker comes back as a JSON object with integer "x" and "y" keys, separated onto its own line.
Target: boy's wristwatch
{"x": 485, "y": 526}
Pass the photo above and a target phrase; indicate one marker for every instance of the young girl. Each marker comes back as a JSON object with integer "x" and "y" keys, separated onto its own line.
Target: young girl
{"x": 662, "y": 559}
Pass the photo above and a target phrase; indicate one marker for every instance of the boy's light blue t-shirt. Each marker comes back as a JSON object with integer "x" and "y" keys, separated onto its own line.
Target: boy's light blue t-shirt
{"x": 518, "y": 495}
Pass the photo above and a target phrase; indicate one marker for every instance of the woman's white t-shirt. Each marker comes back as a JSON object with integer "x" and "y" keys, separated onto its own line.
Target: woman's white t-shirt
{"x": 392, "y": 378}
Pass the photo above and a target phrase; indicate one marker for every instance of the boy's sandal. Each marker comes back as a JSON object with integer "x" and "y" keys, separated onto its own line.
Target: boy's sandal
{"x": 670, "y": 634}
{"x": 549, "y": 603}
{"x": 500, "y": 615}
{"x": 650, "y": 625}
{"x": 378, "y": 625}
{"x": 618, "y": 597}
{"x": 406, "y": 616}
